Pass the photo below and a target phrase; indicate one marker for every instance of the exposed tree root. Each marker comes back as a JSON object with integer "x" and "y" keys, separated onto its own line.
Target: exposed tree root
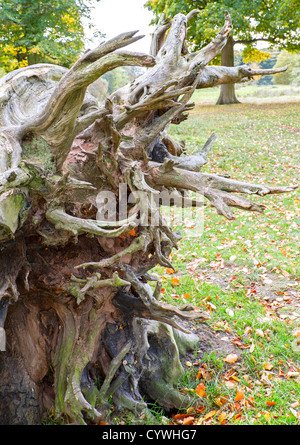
{"x": 83, "y": 325}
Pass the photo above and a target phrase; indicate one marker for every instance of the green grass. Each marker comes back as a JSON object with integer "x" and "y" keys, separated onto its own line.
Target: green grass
{"x": 248, "y": 278}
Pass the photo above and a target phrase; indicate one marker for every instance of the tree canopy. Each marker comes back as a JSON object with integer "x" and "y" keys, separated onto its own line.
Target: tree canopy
{"x": 276, "y": 21}
{"x": 292, "y": 75}
{"x": 33, "y": 31}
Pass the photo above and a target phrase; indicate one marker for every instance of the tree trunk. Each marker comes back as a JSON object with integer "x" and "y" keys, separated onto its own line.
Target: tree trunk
{"x": 227, "y": 93}
{"x": 81, "y": 227}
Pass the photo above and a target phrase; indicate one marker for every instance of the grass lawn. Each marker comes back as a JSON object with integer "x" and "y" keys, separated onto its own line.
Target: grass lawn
{"x": 245, "y": 273}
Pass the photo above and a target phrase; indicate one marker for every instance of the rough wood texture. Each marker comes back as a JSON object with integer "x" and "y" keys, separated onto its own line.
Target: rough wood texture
{"x": 78, "y": 319}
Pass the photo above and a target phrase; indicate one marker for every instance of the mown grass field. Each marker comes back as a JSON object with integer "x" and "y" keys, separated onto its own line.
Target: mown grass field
{"x": 245, "y": 273}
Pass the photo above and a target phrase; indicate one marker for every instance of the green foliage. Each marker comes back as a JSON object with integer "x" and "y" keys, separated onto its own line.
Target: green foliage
{"x": 120, "y": 77}
{"x": 292, "y": 75}
{"x": 278, "y": 24}
{"x": 34, "y": 31}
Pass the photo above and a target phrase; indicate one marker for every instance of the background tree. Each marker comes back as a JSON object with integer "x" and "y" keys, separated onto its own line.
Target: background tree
{"x": 80, "y": 325}
{"x": 292, "y": 75}
{"x": 33, "y": 31}
{"x": 275, "y": 22}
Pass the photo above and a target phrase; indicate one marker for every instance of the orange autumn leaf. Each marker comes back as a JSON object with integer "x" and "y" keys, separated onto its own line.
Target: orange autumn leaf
{"x": 220, "y": 401}
{"x": 222, "y": 417}
{"x": 175, "y": 281}
{"x": 237, "y": 416}
{"x": 186, "y": 295}
{"x": 239, "y": 395}
{"x": 268, "y": 366}
{"x": 209, "y": 415}
{"x": 188, "y": 420}
{"x": 269, "y": 403}
{"x": 200, "y": 390}
{"x": 178, "y": 416}
{"x": 132, "y": 233}
{"x": 169, "y": 270}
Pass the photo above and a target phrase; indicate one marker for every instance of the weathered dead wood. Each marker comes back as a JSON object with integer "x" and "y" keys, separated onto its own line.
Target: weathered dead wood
{"x": 77, "y": 286}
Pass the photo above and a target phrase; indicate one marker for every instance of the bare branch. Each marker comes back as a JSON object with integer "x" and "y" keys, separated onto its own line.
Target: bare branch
{"x": 216, "y": 189}
{"x": 219, "y": 75}
{"x": 209, "y": 52}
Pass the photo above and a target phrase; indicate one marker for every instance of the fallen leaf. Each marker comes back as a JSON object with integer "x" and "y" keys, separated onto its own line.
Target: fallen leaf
{"x": 175, "y": 281}
{"x": 269, "y": 403}
{"x": 220, "y": 401}
{"x": 186, "y": 295}
{"x": 132, "y": 233}
{"x": 178, "y": 416}
{"x": 239, "y": 395}
{"x": 268, "y": 366}
{"x": 222, "y": 417}
{"x": 237, "y": 342}
{"x": 200, "y": 390}
{"x": 209, "y": 415}
{"x": 259, "y": 332}
{"x": 291, "y": 374}
{"x": 295, "y": 404}
{"x": 188, "y": 420}
{"x": 237, "y": 416}
{"x": 231, "y": 358}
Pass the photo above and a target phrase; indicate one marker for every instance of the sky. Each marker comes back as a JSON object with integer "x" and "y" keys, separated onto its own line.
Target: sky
{"x": 112, "y": 17}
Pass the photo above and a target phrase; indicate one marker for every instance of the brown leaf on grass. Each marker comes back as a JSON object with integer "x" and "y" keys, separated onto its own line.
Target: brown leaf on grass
{"x": 188, "y": 420}
{"x": 231, "y": 358}
{"x": 200, "y": 390}
{"x": 239, "y": 395}
{"x": 220, "y": 401}
{"x": 268, "y": 366}
{"x": 222, "y": 418}
{"x": 209, "y": 415}
{"x": 237, "y": 342}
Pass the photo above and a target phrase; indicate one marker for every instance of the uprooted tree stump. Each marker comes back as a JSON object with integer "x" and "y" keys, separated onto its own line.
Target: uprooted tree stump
{"x": 79, "y": 323}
